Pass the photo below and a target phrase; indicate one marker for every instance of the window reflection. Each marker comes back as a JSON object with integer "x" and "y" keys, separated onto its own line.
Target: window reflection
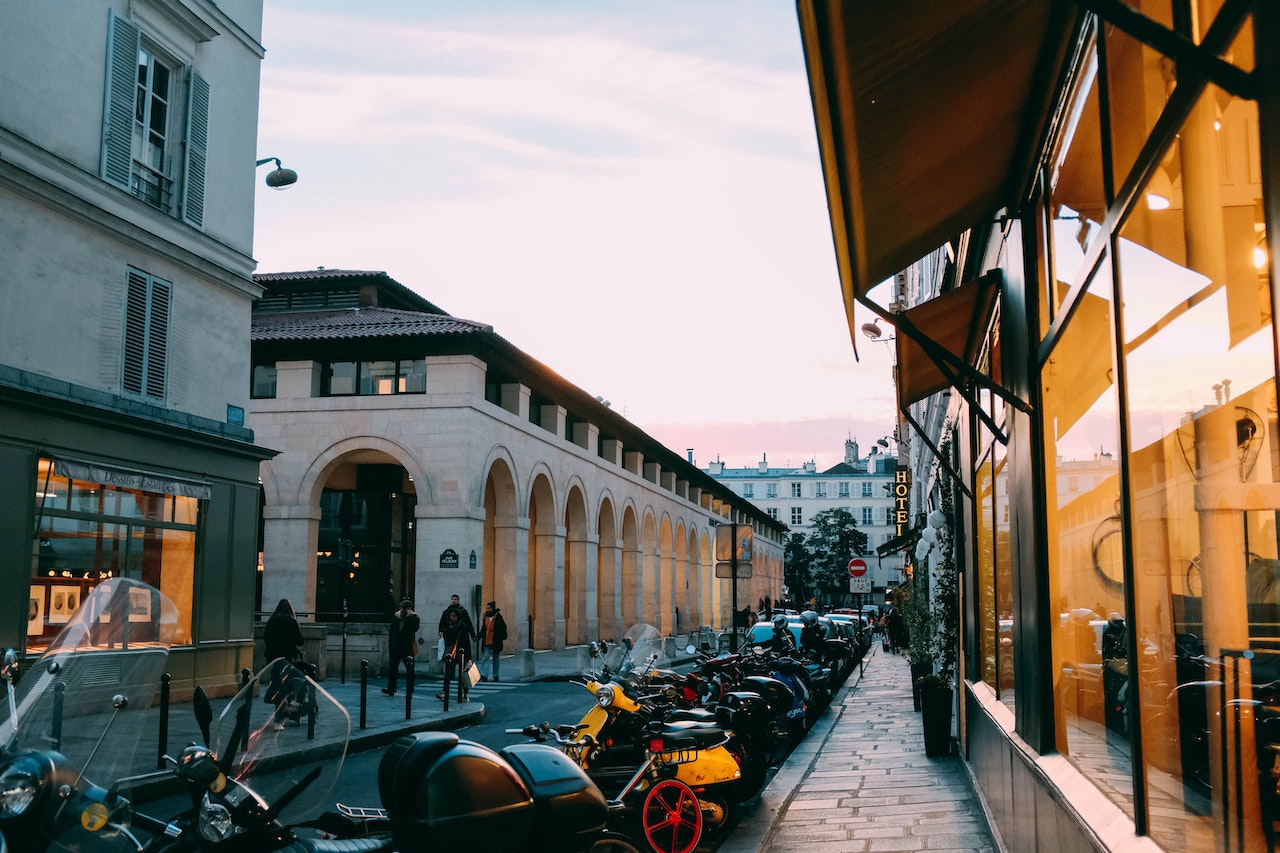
{"x": 1086, "y": 583}
{"x": 1203, "y": 457}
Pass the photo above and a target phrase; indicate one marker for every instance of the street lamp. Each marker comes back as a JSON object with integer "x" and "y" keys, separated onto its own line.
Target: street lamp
{"x": 279, "y": 178}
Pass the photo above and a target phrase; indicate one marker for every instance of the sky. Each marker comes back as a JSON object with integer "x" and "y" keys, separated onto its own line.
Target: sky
{"x": 629, "y": 192}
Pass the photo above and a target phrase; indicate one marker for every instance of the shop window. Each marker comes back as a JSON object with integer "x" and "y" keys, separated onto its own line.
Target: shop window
{"x": 90, "y": 531}
{"x": 1086, "y": 578}
{"x": 1199, "y": 363}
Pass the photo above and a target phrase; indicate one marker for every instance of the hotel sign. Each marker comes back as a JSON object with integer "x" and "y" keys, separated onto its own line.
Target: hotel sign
{"x": 901, "y": 499}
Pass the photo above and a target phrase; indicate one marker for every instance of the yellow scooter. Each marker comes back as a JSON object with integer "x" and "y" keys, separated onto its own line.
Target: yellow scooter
{"x": 612, "y": 738}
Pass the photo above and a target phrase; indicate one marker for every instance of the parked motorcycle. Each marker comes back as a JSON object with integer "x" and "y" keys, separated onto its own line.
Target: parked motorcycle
{"x": 610, "y": 739}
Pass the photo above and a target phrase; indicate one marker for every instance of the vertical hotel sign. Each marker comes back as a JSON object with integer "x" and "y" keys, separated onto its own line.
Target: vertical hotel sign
{"x": 901, "y": 499}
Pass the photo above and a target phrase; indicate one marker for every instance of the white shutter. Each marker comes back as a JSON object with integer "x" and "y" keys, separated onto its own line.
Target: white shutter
{"x": 195, "y": 146}
{"x": 123, "y": 42}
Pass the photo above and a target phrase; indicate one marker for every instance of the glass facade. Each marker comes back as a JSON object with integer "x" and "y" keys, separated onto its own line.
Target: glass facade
{"x": 90, "y": 531}
{"x": 1161, "y": 463}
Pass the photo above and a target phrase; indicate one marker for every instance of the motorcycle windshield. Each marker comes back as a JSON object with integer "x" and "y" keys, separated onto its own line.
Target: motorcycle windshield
{"x": 89, "y": 695}
{"x": 643, "y": 648}
{"x": 263, "y": 732}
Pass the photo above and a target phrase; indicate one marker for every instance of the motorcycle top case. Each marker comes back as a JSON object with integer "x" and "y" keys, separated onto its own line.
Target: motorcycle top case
{"x": 744, "y": 712}
{"x": 568, "y": 807}
{"x": 778, "y": 695}
{"x": 440, "y": 791}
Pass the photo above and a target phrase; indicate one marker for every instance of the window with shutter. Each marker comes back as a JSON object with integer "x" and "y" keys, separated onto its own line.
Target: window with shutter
{"x": 146, "y": 336}
{"x": 155, "y": 133}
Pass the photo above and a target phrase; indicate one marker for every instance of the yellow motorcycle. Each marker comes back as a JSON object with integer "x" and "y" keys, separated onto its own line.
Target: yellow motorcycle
{"x": 630, "y": 712}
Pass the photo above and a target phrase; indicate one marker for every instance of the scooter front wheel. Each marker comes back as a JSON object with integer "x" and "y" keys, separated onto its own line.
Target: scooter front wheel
{"x": 671, "y": 817}
{"x": 613, "y": 842}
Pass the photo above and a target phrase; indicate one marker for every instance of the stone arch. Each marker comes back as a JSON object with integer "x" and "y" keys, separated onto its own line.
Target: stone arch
{"x": 651, "y": 602}
{"x": 501, "y": 546}
{"x": 608, "y": 570}
{"x": 545, "y": 553}
{"x": 577, "y": 575}
{"x": 631, "y": 567}
{"x": 302, "y": 531}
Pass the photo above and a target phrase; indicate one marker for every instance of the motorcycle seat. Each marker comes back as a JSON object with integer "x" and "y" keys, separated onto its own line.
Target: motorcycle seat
{"x": 352, "y": 845}
{"x": 691, "y": 715}
{"x": 692, "y": 735}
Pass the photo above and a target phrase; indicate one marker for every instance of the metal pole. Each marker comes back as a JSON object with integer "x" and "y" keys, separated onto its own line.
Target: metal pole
{"x": 364, "y": 689}
{"x": 164, "y": 720}
{"x": 733, "y": 567}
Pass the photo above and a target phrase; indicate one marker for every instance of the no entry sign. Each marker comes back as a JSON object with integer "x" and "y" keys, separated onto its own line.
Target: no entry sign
{"x": 857, "y": 568}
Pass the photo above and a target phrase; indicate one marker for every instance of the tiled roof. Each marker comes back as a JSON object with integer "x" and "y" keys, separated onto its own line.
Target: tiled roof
{"x": 316, "y": 275}
{"x": 357, "y": 323}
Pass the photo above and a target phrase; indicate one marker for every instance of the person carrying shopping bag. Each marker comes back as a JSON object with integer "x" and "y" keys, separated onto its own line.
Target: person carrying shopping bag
{"x": 458, "y": 637}
{"x": 493, "y": 633}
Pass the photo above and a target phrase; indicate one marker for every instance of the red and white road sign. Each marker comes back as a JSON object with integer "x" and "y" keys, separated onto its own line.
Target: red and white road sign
{"x": 857, "y": 568}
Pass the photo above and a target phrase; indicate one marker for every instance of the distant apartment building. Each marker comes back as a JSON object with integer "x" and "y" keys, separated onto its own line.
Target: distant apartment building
{"x": 863, "y": 485}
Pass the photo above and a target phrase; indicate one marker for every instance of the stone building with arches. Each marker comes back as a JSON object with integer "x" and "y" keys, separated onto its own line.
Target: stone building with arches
{"x": 422, "y": 455}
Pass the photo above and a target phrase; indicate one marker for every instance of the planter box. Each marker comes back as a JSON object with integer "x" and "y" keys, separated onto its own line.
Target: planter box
{"x": 917, "y": 670}
{"x": 935, "y": 716}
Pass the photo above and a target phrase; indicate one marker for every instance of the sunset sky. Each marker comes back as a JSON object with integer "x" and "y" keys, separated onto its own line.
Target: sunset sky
{"x": 627, "y": 191}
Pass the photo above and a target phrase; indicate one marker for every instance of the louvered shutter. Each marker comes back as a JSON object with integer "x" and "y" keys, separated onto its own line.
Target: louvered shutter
{"x": 123, "y": 42}
{"x": 135, "y": 333}
{"x": 195, "y": 148}
{"x": 158, "y": 339}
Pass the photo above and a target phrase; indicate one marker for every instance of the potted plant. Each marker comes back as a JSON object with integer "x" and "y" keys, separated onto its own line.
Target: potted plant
{"x": 935, "y": 689}
{"x": 935, "y": 714}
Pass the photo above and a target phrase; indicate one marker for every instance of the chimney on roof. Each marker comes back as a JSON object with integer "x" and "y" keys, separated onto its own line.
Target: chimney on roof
{"x": 368, "y": 296}
{"x": 764, "y": 463}
{"x": 851, "y": 451}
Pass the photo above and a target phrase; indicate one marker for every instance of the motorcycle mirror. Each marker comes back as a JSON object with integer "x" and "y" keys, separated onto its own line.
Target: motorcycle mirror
{"x": 203, "y": 712}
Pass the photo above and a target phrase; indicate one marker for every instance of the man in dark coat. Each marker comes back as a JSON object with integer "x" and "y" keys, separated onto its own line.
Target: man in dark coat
{"x": 458, "y": 638}
{"x": 493, "y": 633}
{"x": 404, "y": 630}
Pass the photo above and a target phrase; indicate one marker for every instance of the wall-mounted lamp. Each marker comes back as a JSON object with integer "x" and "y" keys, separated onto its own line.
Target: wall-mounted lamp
{"x": 279, "y": 178}
{"x": 872, "y": 330}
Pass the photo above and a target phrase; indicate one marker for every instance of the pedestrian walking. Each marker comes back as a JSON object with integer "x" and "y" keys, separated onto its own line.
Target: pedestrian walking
{"x": 493, "y": 633}
{"x": 282, "y": 648}
{"x": 401, "y": 643}
{"x": 458, "y": 637}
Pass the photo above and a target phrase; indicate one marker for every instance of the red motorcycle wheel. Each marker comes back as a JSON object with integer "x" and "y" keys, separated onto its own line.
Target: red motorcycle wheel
{"x": 671, "y": 817}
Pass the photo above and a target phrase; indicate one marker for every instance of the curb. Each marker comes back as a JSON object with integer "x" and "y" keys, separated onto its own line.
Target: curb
{"x": 163, "y": 783}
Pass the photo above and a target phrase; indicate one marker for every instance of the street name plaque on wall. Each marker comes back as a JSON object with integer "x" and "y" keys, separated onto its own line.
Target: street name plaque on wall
{"x": 448, "y": 559}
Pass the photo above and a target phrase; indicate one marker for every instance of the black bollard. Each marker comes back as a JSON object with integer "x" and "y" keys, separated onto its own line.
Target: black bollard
{"x": 164, "y": 720}
{"x": 445, "y": 695}
{"x": 408, "y": 686}
{"x": 312, "y": 708}
{"x": 364, "y": 690}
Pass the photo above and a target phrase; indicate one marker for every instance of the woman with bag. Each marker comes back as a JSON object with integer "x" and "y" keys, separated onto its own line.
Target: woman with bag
{"x": 458, "y": 637}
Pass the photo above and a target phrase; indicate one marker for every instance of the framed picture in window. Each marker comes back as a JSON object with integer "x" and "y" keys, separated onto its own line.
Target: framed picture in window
{"x": 63, "y": 601}
{"x": 35, "y": 613}
{"x": 139, "y": 605}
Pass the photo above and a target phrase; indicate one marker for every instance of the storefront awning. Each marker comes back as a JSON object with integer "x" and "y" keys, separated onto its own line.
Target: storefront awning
{"x": 125, "y": 478}
{"x": 953, "y": 326}
{"x": 899, "y": 543}
{"x": 927, "y": 115}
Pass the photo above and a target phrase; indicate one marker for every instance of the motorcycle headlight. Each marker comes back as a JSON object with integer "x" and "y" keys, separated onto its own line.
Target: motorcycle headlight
{"x": 19, "y": 787}
{"x": 215, "y": 821}
{"x": 605, "y": 696}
